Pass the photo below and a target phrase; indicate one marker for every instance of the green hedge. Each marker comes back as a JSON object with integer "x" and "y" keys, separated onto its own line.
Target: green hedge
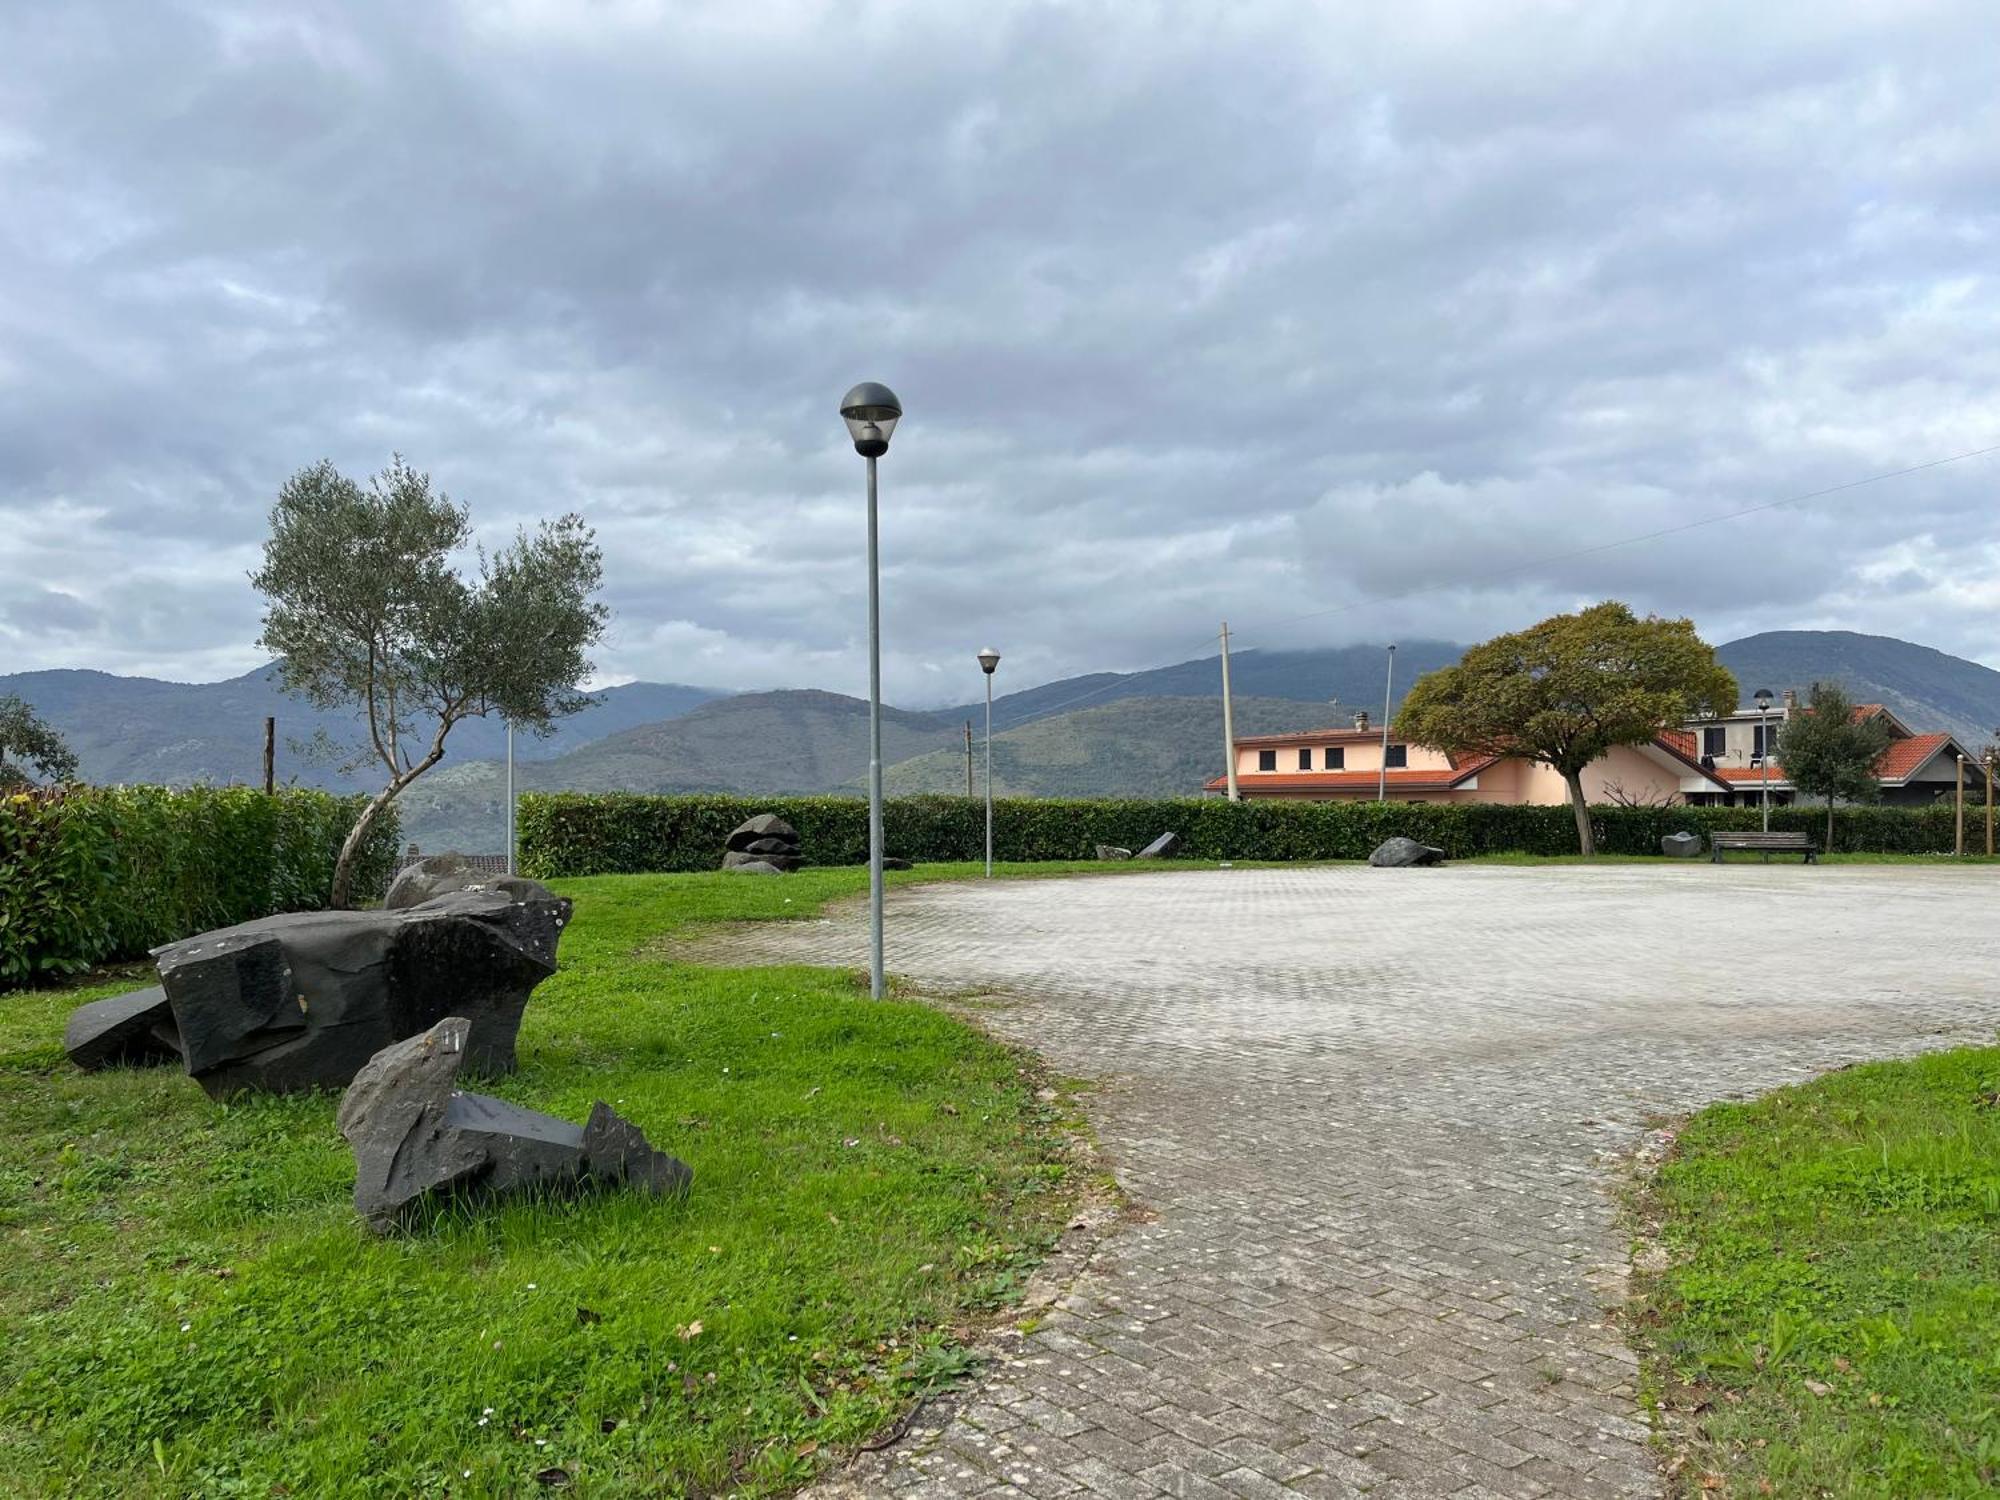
{"x": 574, "y": 833}
{"x": 92, "y": 874}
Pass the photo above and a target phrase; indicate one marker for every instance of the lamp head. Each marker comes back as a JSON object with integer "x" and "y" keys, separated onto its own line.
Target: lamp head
{"x": 988, "y": 660}
{"x": 1763, "y": 697}
{"x": 871, "y": 411}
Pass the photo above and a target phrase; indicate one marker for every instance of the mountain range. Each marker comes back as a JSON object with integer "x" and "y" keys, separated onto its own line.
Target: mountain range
{"x": 1148, "y": 733}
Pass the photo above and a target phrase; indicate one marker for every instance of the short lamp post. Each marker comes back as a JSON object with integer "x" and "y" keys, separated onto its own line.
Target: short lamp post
{"x": 1992, "y": 755}
{"x": 1763, "y": 697}
{"x": 871, "y": 412}
{"x": 988, "y": 660}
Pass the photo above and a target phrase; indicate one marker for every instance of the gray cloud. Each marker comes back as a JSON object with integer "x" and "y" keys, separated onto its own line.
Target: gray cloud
{"x": 1238, "y": 310}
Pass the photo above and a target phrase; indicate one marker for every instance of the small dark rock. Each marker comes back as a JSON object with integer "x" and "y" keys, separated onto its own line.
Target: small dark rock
{"x": 890, "y": 862}
{"x": 1166, "y": 846}
{"x": 1399, "y": 852}
{"x": 442, "y": 874}
{"x": 1681, "y": 845}
{"x": 1112, "y": 851}
{"x": 415, "y": 1136}
{"x": 753, "y": 866}
{"x": 136, "y": 1029}
{"x": 763, "y": 826}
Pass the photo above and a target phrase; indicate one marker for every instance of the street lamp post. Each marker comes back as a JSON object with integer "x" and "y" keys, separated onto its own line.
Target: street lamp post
{"x": 871, "y": 412}
{"x": 1763, "y": 697}
{"x": 1388, "y": 696}
{"x": 1992, "y": 754}
{"x": 512, "y": 842}
{"x": 988, "y": 660}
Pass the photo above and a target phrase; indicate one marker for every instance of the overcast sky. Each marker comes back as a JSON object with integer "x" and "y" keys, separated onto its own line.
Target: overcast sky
{"x": 1247, "y": 310}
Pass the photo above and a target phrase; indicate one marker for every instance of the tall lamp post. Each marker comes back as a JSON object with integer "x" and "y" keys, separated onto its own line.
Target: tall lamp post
{"x": 871, "y": 412}
{"x": 1763, "y": 697}
{"x": 512, "y": 842}
{"x": 1388, "y": 696}
{"x": 988, "y": 660}
{"x": 1992, "y": 754}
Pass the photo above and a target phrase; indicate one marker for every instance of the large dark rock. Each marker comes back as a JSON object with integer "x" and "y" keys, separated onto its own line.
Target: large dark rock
{"x": 1681, "y": 845}
{"x": 442, "y": 874}
{"x": 751, "y": 865}
{"x": 302, "y": 1001}
{"x": 137, "y": 1028}
{"x": 417, "y": 1138}
{"x": 738, "y": 859}
{"x": 1166, "y": 846}
{"x": 1400, "y": 852}
{"x": 763, "y": 826}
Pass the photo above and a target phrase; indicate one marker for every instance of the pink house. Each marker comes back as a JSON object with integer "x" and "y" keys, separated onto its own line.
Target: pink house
{"x": 1323, "y": 764}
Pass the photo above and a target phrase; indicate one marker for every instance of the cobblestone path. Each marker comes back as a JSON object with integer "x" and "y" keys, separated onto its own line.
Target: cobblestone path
{"x": 1374, "y": 1113}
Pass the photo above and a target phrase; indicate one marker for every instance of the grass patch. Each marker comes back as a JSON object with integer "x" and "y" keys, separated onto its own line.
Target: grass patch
{"x": 191, "y": 1306}
{"x": 1827, "y": 1318}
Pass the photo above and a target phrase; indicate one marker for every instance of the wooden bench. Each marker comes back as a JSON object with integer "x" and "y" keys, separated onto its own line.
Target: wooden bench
{"x": 1765, "y": 843}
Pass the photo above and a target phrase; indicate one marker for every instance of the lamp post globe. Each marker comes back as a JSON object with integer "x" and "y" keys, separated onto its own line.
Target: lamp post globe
{"x": 871, "y": 412}
{"x": 1763, "y": 698}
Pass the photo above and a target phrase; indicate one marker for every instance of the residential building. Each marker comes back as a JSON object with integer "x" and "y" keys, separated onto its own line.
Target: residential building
{"x": 1715, "y": 762}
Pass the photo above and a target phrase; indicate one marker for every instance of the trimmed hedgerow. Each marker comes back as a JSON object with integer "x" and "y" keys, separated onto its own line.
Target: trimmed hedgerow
{"x": 91, "y": 874}
{"x": 575, "y": 833}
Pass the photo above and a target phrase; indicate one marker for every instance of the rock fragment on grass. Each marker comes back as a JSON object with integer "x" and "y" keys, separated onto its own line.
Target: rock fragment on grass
{"x": 1399, "y": 852}
{"x": 134, "y": 1029}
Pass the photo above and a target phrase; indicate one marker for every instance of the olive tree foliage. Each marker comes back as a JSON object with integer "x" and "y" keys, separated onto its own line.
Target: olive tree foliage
{"x": 1566, "y": 691}
{"x": 366, "y": 609}
{"x": 25, "y": 741}
{"x": 1827, "y": 752}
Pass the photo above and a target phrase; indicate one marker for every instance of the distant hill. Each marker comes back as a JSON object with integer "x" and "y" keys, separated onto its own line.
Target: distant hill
{"x": 139, "y": 729}
{"x": 1352, "y": 674}
{"x": 1927, "y": 689}
{"x": 1135, "y": 747}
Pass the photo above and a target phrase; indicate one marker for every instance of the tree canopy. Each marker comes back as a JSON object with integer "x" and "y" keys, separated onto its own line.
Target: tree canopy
{"x": 25, "y": 740}
{"x": 365, "y": 607}
{"x": 1566, "y": 691}
{"x": 1827, "y": 752}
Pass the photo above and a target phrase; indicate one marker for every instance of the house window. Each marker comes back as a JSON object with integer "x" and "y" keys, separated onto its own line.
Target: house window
{"x": 1714, "y": 740}
{"x": 1267, "y": 760}
{"x": 1336, "y": 757}
{"x": 1305, "y": 759}
{"x": 1399, "y": 756}
{"x": 1761, "y": 743}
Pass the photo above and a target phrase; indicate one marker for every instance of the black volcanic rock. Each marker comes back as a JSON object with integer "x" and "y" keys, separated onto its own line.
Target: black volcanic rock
{"x": 136, "y": 1028}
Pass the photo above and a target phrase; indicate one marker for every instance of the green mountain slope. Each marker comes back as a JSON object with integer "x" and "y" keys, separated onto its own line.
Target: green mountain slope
{"x": 1927, "y": 689}
{"x": 1136, "y": 747}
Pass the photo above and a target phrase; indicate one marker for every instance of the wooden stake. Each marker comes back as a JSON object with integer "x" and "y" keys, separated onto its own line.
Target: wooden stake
{"x": 270, "y": 757}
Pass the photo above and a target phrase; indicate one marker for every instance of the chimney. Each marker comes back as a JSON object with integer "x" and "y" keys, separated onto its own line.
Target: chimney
{"x": 1791, "y": 697}
{"x": 1361, "y": 719}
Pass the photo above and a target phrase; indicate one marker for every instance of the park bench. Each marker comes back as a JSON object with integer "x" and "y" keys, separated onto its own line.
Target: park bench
{"x": 1765, "y": 843}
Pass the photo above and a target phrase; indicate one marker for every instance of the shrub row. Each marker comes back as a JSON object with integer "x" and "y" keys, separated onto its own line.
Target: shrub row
{"x": 92, "y": 874}
{"x": 573, "y": 833}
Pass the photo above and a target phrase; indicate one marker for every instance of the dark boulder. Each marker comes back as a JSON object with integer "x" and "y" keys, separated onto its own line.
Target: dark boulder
{"x": 891, "y": 862}
{"x": 752, "y": 866}
{"x": 1112, "y": 851}
{"x": 1166, "y": 846}
{"x": 763, "y": 826}
{"x": 1681, "y": 845}
{"x": 1399, "y": 852}
{"x": 136, "y": 1029}
{"x": 417, "y": 1138}
{"x": 302, "y": 1001}
{"x": 737, "y": 859}
{"x": 442, "y": 874}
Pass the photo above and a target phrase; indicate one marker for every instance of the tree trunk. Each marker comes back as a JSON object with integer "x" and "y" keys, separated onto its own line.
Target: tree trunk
{"x": 1829, "y": 824}
{"x": 357, "y": 836}
{"x": 1586, "y": 840}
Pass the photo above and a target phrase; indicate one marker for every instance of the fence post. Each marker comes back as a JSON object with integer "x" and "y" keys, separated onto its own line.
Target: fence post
{"x": 270, "y": 756}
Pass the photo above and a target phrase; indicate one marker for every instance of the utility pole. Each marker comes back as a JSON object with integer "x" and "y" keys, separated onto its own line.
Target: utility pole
{"x": 1989, "y": 802}
{"x": 1388, "y": 696}
{"x": 1961, "y": 807}
{"x": 270, "y": 756}
{"x": 1228, "y": 718}
{"x": 968, "y": 757}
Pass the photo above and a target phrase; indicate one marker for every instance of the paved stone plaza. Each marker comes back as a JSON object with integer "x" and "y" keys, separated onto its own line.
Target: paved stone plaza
{"x": 1376, "y": 1115}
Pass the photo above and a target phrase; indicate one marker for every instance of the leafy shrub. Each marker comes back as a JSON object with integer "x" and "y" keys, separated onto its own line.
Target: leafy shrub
{"x": 90, "y": 874}
{"x": 576, "y": 833}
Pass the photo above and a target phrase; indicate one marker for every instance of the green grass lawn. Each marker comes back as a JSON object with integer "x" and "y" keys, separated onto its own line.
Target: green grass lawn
{"x": 1829, "y": 1316}
{"x": 190, "y": 1306}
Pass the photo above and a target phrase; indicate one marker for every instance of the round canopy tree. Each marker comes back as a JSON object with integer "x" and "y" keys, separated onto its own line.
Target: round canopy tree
{"x": 365, "y": 609}
{"x": 1566, "y": 691}
{"x": 30, "y": 743}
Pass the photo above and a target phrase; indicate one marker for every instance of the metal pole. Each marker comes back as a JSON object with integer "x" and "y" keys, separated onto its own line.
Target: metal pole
{"x": 1388, "y": 693}
{"x": 1764, "y": 728}
{"x": 510, "y": 797}
{"x": 989, "y": 775}
{"x": 968, "y": 759}
{"x": 875, "y": 985}
{"x": 1228, "y": 718}
{"x": 1959, "y": 798}
{"x": 1989, "y": 805}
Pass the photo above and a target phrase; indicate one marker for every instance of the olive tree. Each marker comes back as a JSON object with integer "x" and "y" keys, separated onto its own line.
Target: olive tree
{"x": 1566, "y": 691}
{"x": 1828, "y": 752}
{"x": 365, "y": 608}
{"x": 31, "y": 742}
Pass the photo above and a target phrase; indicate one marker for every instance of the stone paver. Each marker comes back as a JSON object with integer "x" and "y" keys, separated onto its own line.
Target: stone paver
{"x": 1375, "y": 1113}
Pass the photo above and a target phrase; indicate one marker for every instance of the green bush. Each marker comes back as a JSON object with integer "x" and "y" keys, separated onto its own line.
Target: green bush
{"x": 575, "y": 833}
{"x": 91, "y": 874}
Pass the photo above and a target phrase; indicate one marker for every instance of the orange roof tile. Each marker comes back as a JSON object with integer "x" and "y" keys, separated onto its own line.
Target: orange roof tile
{"x": 1680, "y": 741}
{"x": 1905, "y": 756}
{"x": 1335, "y": 781}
